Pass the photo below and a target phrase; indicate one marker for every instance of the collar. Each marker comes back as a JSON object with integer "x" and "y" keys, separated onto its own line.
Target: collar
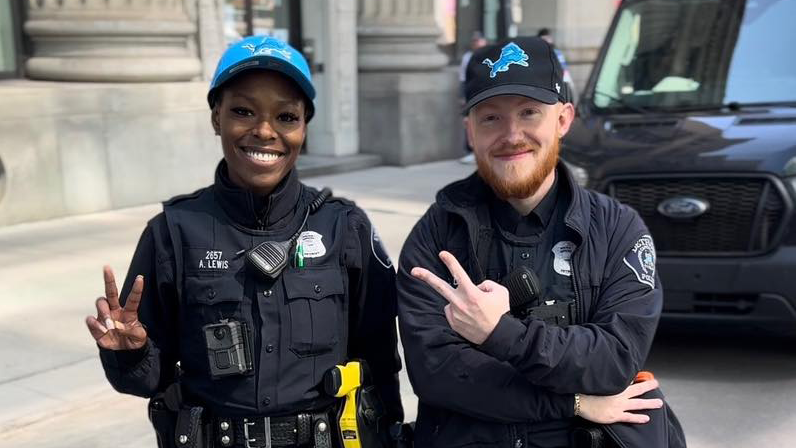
{"x": 252, "y": 210}
{"x": 535, "y": 222}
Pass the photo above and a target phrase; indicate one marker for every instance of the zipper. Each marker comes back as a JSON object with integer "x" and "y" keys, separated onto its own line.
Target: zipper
{"x": 261, "y": 220}
{"x": 578, "y": 307}
{"x": 514, "y": 436}
{"x": 258, "y": 342}
{"x": 578, "y": 301}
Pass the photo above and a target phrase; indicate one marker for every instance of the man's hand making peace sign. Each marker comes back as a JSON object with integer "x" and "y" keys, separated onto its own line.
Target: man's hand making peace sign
{"x": 473, "y": 311}
{"x": 117, "y": 327}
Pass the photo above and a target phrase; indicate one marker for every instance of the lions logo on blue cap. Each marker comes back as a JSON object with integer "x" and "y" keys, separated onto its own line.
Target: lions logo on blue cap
{"x": 268, "y": 46}
{"x": 510, "y": 54}
{"x": 264, "y": 52}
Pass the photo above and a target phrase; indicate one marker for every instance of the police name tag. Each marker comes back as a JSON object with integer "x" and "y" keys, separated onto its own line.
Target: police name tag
{"x": 641, "y": 260}
{"x": 312, "y": 244}
{"x": 205, "y": 261}
{"x": 213, "y": 259}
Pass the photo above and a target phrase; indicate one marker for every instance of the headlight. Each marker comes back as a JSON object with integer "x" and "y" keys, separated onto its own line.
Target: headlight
{"x": 580, "y": 174}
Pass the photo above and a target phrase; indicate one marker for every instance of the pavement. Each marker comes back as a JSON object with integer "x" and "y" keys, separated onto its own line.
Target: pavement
{"x": 730, "y": 389}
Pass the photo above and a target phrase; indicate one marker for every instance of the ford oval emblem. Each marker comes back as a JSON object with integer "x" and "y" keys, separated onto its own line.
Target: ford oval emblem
{"x": 683, "y": 207}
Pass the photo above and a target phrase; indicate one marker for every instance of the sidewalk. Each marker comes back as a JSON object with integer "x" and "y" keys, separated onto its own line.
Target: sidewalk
{"x": 53, "y": 390}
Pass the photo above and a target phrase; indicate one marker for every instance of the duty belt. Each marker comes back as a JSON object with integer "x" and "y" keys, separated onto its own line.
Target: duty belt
{"x": 305, "y": 429}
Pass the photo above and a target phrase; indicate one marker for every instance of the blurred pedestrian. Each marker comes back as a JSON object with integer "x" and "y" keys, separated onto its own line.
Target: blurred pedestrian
{"x": 547, "y": 36}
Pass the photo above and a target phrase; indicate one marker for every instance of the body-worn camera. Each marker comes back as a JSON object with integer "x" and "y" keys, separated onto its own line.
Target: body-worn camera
{"x": 229, "y": 349}
{"x": 525, "y": 299}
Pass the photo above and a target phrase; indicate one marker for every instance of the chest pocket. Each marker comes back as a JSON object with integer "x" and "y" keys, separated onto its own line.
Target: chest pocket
{"x": 206, "y": 299}
{"x": 211, "y": 277}
{"x": 315, "y": 302}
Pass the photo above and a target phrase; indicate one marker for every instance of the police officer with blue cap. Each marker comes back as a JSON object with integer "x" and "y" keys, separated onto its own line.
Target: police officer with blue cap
{"x": 241, "y": 296}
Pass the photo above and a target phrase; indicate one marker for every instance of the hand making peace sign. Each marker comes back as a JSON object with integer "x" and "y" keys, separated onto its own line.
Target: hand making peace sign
{"x": 473, "y": 311}
{"x": 116, "y": 327}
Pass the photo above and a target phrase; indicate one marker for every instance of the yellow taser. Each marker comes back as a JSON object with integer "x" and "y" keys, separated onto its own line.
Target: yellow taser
{"x": 344, "y": 381}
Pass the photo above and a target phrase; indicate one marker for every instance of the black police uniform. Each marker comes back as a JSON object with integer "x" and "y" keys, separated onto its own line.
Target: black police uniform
{"x": 540, "y": 240}
{"x": 339, "y": 306}
{"x": 517, "y": 388}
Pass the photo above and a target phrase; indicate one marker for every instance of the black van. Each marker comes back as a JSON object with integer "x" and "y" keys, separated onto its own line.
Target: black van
{"x": 689, "y": 116}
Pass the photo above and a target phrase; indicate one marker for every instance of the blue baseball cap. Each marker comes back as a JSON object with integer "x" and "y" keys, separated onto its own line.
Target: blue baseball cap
{"x": 265, "y": 53}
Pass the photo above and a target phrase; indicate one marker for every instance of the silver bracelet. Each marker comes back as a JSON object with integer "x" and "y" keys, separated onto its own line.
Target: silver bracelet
{"x": 577, "y": 405}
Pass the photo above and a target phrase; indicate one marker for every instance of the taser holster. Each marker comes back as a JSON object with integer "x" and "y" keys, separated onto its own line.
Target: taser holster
{"x": 176, "y": 424}
{"x": 362, "y": 417}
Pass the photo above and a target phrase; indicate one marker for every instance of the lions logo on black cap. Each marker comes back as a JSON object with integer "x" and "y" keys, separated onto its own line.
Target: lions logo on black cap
{"x": 510, "y": 54}
{"x": 492, "y": 72}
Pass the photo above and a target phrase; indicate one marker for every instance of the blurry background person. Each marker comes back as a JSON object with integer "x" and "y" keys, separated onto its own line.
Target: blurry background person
{"x": 545, "y": 34}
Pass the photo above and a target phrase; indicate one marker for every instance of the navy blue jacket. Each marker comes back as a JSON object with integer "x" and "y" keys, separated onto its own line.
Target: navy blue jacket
{"x": 523, "y": 377}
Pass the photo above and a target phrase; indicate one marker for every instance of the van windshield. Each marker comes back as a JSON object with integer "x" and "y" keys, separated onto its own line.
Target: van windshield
{"x": 669, "y": 54}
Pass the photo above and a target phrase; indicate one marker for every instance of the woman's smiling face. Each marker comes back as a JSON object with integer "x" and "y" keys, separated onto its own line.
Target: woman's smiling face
{"x": 260, "y": 117}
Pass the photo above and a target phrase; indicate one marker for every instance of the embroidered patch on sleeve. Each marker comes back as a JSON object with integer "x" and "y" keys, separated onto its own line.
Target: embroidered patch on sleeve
{"x": 378, "y": 249}
{"x": 641, "y": 260}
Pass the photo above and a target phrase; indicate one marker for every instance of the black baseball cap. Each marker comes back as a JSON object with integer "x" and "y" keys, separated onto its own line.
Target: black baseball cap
{"x": 525, "y": 66}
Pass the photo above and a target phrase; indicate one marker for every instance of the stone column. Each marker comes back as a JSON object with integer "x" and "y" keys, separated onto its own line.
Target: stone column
{"x": 210, "y": 20}
{"x": 407, "y": 93}
{"x": 112, "y": 40}
{"x": 330, "y": 41}
{"x": 398, "y": 35}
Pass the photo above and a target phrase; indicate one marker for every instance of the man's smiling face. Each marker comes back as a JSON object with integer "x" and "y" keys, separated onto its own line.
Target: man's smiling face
{"x": 515, "y": 141}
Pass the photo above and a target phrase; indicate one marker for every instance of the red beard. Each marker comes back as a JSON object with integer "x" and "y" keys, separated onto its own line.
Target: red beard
{"x": 522, "y": 185}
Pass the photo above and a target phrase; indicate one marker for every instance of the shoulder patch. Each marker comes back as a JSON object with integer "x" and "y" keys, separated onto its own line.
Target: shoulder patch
{"x": 377, "y": 247}
{"x": 641, "y": 260}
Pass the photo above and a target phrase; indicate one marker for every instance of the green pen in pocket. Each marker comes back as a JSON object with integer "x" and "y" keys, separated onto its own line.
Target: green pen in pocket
{"x": 299, "y": 255}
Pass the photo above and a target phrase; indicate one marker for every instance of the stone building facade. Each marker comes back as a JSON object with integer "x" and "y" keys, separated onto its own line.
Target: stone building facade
{"x": 102, "y": 102}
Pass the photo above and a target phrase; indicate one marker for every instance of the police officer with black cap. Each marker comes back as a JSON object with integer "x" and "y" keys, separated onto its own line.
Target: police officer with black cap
{"x": 241, "y": 296}
{"x": 527, "y": 304}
